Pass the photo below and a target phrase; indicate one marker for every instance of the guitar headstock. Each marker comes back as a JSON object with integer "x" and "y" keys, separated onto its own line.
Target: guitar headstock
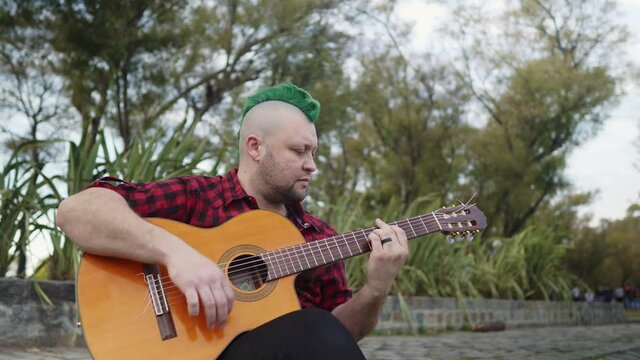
{"x": 460, "y": 222}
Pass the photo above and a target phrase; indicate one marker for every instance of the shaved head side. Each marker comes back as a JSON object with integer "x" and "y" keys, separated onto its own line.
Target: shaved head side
{"x": 266, "y": 119}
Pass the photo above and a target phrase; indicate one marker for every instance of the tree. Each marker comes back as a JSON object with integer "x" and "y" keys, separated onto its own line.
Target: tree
{"x": 132, "y": 64}
{"x": 29, "y": 91}
{"x": 543, "y": 87}
{"x": 534, "y": 123}
{"x": 414, "y": 126}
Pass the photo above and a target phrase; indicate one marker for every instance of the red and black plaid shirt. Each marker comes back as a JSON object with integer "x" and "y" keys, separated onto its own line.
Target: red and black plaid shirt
{"x": 210, "y": 201}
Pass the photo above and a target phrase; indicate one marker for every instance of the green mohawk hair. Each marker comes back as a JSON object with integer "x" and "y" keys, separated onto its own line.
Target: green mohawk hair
{"x": 289, "y": 93}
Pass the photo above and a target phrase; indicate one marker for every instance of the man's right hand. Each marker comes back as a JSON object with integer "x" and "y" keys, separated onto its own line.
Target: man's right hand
{"x": 101, "y": 222}
{"x": 202, "y": 282}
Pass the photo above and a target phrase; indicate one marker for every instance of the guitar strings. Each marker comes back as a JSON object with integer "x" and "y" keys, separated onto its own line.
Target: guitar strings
{"x": 295, "y": 249}
{"x": 295, "y": 252}
{"x": 173, "y": 293}
{"x": 286, "y": 259}
{"x": 248, "y": 272}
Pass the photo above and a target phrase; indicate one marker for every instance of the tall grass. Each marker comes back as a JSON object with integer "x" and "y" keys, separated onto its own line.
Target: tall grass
{"x": 158, "y": 157}
{"x": 25, "y": 204}
{"x": 16, "y": 211}
{"x": 527, "y": 266}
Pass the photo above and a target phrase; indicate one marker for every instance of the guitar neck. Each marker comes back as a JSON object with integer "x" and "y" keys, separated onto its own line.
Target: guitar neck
{"x": 295, "y": 259}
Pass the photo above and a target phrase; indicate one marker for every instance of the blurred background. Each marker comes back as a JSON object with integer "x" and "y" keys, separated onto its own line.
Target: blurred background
{"x": 530, "y": 106}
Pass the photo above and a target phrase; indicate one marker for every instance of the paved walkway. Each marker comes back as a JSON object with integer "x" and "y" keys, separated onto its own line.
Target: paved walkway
{"x": 615, "y": 342}
{"x": 593, "y": 342}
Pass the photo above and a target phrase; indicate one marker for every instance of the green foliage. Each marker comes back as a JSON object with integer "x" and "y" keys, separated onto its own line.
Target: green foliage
{"x": 523, "y": 151}
{"x": 543, "y": 83}
{"x": 158, "y": 157}
{"x": 24, "y": 207}
{"x": 15, "y": 212}
{"x": 526, "y": 266}
{"x": 398, "y": 136}
{"x": 411, "y": 136}
{"x": 607, "y": 256}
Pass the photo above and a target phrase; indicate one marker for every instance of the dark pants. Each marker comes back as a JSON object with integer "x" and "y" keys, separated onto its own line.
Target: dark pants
{"x": 306, "y": 334}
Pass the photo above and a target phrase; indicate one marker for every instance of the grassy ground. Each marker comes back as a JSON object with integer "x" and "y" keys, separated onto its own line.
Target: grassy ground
{"x": 633, "y": 314}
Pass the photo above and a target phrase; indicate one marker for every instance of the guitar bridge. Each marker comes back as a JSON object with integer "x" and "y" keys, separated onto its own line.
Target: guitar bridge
{"x": 159, "y": 301}
{"x": 157, "y": 294}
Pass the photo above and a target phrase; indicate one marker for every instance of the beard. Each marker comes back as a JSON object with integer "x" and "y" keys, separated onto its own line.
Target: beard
{"x": 274, "y": 187}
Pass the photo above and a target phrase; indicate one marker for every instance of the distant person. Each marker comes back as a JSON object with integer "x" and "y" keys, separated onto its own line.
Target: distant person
{"x": 575, "y": 293}
{"x": 589, "y": 296}
{"x": 628, "y": 296}
{"x": 618, "y": 294}
{"x": 599, "y": 294}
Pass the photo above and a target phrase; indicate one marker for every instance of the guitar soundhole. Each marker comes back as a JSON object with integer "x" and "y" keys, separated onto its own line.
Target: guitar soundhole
{"x": 247, "y": 272}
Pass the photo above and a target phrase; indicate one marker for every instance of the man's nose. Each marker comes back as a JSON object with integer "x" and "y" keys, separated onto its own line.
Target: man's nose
{"x": 309, "y": 164}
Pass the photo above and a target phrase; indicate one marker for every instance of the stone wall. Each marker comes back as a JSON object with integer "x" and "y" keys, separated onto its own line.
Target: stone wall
{"x": 25, "y": 320}
{"x": 436, "y": 314}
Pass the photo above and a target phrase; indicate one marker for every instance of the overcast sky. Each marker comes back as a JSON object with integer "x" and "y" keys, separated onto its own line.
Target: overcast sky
{"x": 609, "y": 163}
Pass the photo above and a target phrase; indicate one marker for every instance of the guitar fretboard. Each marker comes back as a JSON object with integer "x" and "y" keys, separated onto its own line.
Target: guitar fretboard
{"x": 301, "y": 257}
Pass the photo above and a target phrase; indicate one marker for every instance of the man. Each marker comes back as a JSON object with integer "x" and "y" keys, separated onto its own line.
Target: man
{"x": 277, "y": 146}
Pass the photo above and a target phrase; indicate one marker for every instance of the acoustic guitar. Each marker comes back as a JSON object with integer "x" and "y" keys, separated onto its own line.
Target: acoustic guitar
{"x": 130, "y": 310}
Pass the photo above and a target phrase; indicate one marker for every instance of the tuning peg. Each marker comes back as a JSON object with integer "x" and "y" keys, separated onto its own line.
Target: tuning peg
{"x": 469, "y": 236}
{"x": 451, "y": 239}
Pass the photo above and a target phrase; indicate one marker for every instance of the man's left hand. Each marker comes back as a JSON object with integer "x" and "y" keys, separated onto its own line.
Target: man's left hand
{"x": 389, "y": 251}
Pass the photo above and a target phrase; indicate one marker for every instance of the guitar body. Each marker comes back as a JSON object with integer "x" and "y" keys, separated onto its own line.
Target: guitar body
{"x": 119, "y": 321}
{"x": 130, "y": 310}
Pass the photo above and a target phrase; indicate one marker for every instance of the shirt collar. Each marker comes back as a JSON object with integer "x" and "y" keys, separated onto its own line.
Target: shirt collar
{"x": 232, "y": 188}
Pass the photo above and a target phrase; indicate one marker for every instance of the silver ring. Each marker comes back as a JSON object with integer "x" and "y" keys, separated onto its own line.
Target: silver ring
{"x": 385, "y": 240}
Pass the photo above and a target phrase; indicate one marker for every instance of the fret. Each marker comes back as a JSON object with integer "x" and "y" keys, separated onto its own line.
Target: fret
{"x": 304, "y": 252}
{"x": 425, "y": 226}
{"x": 285, "y": 263}
{"x": 414, "y": 232}
{"x": 436, "y": 219}
{"x": 330, "y": 252}
{"x": 275, "y": 257}
{"x": 280, "y": 261}
{"x": 324, "y": 261}
{"x": 357, "y": 242}
{"x": 291, "y": 259}
{"x": 347, "y": 243}
{"x": 365, "y": 236}
{"x": 313, "y": 255}
{"x": 335, "y": 241}
{"x": 295, "y": 249}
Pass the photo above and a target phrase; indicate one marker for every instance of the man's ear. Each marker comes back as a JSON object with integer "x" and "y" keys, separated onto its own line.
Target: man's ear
{"x": 254, "y": 147}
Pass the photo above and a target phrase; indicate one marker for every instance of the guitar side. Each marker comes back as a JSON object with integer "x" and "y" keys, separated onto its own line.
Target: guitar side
{"x": 119, "y": 321}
